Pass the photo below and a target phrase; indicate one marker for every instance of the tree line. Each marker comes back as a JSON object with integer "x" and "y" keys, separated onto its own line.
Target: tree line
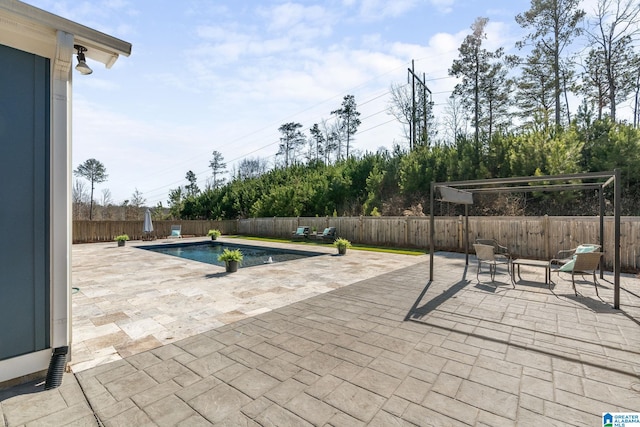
{"x": 398, "y": 182}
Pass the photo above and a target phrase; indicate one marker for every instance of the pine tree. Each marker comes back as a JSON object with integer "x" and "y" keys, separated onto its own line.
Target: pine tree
{"x": 93, "y": 171}
{"x": 554, "y": 24}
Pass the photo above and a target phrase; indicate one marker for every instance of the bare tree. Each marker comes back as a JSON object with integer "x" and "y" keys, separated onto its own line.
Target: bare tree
{"x": 252, "y": 168}
{"x": 400, "y": 106}
{"x": 79, "y": 198}
{"x": 330, "y": 131}
{"x": 134, "y": 208}
{"x": 107, "y": 204}
{"x": 455, "y": 118}
{"x": 107, "y": 199}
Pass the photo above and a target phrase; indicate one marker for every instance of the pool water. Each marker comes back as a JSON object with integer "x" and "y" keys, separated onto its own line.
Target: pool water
{"x": 208, "y": 252}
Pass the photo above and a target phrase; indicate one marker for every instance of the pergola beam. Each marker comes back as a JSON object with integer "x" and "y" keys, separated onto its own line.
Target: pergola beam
{"x": 531, "y": 188}
{"x": 516, "y": 180}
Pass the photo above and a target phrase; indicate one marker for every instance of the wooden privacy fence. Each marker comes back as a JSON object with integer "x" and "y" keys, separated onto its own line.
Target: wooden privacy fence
{"x": 531, "y": 237}
{"x": 104, "y": 231}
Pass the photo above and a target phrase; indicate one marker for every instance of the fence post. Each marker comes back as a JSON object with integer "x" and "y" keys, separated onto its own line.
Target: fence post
{"x": 406, "y": 230}
{"x": 545, "y": 236}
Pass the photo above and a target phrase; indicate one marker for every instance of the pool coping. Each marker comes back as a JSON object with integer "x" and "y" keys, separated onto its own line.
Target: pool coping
{"x": 230, "y": 245}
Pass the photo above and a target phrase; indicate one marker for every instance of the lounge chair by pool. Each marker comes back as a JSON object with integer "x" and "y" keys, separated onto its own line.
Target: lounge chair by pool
{"x": 328, "y": 235}
{"x": 301, "y": 233}
{"x": 176, "y": 232}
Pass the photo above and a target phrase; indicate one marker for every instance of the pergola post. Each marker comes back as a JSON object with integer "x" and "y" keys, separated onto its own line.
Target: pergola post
{"x": 616, "y": 263}
{"x": 431, "y": 233}
{"x": 601, "y": 199}
{"x": 466, "y": 234}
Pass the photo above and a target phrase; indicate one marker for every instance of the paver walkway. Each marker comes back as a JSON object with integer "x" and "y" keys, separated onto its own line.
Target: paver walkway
{"x": 389, "y": 350}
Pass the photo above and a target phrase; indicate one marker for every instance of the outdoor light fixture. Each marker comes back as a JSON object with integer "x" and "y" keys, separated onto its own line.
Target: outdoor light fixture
{"x": 82, "y": 62}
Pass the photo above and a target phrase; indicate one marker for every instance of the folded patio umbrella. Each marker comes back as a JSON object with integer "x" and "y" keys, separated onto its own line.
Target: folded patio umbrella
{"x": 148, "y": 225}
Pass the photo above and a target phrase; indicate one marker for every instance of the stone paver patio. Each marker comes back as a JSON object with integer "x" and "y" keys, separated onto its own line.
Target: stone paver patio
{"x": 130, "y": 300}
{"x": 389, "y": 349}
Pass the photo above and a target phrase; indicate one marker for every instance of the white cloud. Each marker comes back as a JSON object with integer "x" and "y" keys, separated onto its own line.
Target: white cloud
{"x": 100, "y": 84}
{"x": 215, "y": 33}
{"x": 443, "y": 6}
{"x": 376, "y": 10}
{"x": 498, "y": 35}
{"x": 199, "y": 8}
{"x": 285, "y": 16}
{"x": 170, "y": 80}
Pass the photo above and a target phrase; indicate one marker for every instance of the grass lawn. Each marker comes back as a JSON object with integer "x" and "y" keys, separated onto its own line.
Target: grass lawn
{"x": 401, "y": 251}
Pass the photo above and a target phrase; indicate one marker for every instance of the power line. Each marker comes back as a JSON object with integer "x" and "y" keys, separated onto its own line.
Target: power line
{"x": 376, "y": 126}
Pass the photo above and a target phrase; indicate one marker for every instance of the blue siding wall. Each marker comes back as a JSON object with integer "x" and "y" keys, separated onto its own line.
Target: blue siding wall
{"x": 24, "y": 203}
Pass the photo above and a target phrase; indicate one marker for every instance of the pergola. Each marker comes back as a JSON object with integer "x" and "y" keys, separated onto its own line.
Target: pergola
{"x": 461, "y": 192}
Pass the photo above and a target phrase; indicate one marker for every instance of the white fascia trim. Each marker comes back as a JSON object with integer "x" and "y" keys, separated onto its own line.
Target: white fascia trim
{"x": 30, "y": 20}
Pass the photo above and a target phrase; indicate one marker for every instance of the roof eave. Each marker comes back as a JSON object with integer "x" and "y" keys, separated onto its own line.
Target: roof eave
{"x": 101, "y": 47}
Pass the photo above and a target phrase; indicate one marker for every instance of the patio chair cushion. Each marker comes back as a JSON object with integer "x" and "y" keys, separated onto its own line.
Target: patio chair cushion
{"x": 582, "y": 249}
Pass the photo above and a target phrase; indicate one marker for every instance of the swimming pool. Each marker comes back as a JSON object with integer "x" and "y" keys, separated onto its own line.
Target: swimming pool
{"x": 208, "y": 252}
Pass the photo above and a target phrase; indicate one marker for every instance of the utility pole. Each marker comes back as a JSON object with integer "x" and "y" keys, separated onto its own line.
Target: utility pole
{"x": 413, "y": 128}
{"x": 424, "y": 107}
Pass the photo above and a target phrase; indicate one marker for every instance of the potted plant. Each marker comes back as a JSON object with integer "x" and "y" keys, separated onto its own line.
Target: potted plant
{"x": 121, "y": 239}
{"x": 214, "y": 234}
{"x": 342, "y": 245}
{"x": 232, "y": 258}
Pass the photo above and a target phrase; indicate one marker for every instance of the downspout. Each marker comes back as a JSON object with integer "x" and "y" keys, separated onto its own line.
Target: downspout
{"x": 60, "y": 201}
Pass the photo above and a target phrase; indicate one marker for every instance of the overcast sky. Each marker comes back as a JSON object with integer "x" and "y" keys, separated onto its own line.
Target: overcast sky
{"x": 223, "y": 75}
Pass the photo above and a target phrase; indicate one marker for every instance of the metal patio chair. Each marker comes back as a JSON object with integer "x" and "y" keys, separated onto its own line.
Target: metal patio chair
{"x": 486, "y": 255}
{"x": 585, "y": 263}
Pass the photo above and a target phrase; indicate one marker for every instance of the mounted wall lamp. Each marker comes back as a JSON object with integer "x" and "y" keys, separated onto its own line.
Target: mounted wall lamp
{"x": 82, "y": 62}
